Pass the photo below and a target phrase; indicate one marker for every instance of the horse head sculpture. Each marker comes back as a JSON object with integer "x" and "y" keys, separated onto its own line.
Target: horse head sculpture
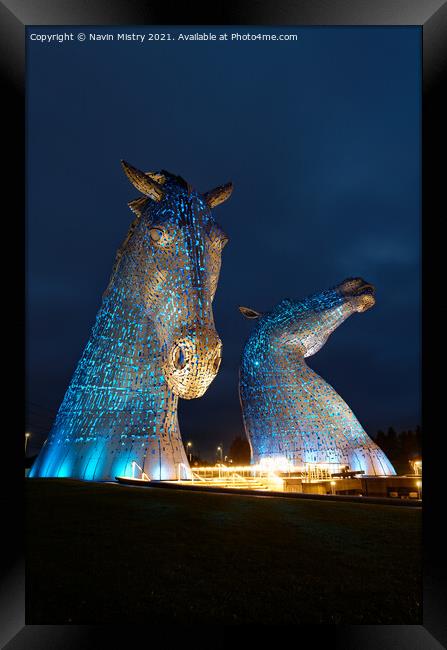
{"x": 177, "y": 245}
{"x": 153, "y": 341}
{"x": 290, "y": 413}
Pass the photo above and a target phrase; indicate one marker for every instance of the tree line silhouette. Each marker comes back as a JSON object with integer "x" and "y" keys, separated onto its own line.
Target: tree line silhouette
{"x": 401, "y": 447}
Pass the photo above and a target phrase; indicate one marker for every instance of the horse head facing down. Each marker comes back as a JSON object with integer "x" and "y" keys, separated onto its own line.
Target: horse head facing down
{"x": 175, "y": 248}
{"x": 153, "y": 341}
{"x": 291, "y": 415}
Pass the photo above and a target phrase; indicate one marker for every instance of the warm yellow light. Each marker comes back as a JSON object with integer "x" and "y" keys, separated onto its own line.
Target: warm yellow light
{"x": 27, "y": 435}
{"x": 281, "y": 464}
{"x": 189, "y": 444}
{"x": 332, "y": 482}
{"x": 418, "y": 483}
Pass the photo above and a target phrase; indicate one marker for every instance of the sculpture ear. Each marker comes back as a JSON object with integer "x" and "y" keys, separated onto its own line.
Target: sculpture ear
{"x": 249, "y": 313}
{"x": 144, "y": 183}
{"x": 218, "y": 195}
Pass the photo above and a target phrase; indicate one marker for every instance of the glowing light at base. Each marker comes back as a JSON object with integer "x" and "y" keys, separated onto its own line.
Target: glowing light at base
{"x": 289, "y": 411}
{"x": 153, "y": 341}
{"x": 276, "y": 464}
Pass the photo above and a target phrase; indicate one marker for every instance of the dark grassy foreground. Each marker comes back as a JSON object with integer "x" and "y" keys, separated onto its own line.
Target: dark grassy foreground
{"x": 100, "y": 553}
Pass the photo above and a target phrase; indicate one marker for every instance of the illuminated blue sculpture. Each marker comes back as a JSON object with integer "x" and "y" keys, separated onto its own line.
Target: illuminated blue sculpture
{"x": 292, "y": 417}
{"x": 154, "y": 341}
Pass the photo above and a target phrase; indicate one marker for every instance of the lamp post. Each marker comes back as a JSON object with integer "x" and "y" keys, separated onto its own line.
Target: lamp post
{"x": 419, "y": 485}
{"x": 189, "y": 445}
{"x": 27, "y": 437}
{"x": 333, "y": 487}
{"x": 221, "y": 453}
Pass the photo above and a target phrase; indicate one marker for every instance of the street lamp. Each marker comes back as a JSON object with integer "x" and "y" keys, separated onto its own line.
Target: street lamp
{"x": 333, "y": 487}
{"x": 419, "y": 485}
{"x": 417, "y": 466}
{"x": 27, "y": 437}
{"x": 221, "y": 453}
{"x": 189, "y": 445}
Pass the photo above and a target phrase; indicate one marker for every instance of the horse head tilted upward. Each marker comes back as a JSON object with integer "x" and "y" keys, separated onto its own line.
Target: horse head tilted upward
{"x": 291, "y": 414}
{"x": 154, "y": 340}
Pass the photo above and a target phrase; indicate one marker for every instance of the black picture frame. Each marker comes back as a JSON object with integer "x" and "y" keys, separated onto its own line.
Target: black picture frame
{"x": 15, "y": 16}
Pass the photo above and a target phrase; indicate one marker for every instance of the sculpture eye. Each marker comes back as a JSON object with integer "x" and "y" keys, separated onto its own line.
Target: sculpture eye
{"x": 217, "y": 236}
{"x": 156, "y": 234}
{"x": 219, "y": 242}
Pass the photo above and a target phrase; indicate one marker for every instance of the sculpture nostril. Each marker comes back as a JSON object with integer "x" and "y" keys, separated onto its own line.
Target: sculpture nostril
{"x": 179, "y": 358}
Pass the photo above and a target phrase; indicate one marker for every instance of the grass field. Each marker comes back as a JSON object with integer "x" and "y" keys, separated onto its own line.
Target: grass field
{"x": 103, "y": 553}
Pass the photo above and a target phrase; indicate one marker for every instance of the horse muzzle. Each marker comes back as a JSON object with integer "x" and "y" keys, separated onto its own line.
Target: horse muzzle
{"x": 192, "y": 361}
{"x": 359, "y": 293}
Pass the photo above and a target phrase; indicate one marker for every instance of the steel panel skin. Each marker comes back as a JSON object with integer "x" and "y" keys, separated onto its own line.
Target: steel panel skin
{"x": 291, "y": 415}
{"x": 153, "y": 341}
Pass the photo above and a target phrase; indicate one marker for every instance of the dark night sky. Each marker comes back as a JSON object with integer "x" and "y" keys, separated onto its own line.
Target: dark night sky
{"x": 321, "y": 138}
